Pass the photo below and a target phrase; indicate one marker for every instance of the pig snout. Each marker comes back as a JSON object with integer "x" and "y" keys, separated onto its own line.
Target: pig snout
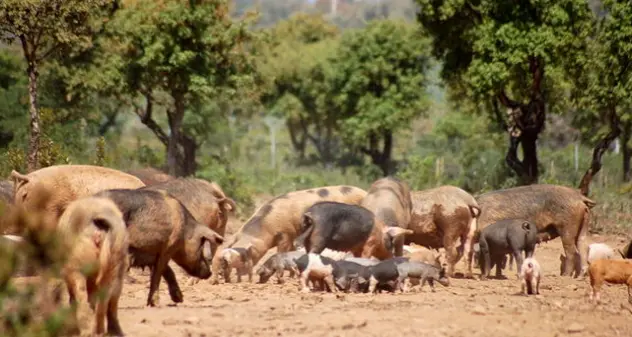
{"x": 444, "y": 281}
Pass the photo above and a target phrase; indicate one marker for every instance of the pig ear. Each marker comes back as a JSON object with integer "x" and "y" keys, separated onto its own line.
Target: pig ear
{"x": 397, "y": 231}
{"x": 526, "y": 225}
{"x": 308, "y": 219}
{"x": 206, "y": 250}
{"x": 212, "y": 236}
{"x": 228, "y": 205}
{"x": 19, "y": 178}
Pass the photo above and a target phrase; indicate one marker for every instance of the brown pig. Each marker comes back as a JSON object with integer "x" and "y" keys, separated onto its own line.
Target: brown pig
{"x": 95, "y": 236}
{"x": 205, "y": 200}
{"x": 440, "y": 217}
{"x": 555, "y": 210}
{"x": 150, "y": 176}
{"x": 279, "y": 221}
{"x": 160, "y": 229}
{"x": 67, "y": 183}
{"x": 389, "y": 199}
{"x": 611, "y": 271}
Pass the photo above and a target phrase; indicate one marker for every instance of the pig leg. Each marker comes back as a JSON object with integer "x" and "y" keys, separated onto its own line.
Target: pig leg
{"x": 517, "y": 254}
{"x": 629, "y": 282}
{"x": 487, "y": 264}
{"x": 100, "y": 312}
{"x": 114, "y": 328}
{"x": 156, "y": 274}
{"x": 329, "y": 281}
{"x": 451, "y": 253}
{"x": 372, "y": 284}
{"x": 303, "y": 280}
{"x": 570, "y": 250}
{"x": 239, "y": 272}
{"x": 77, "y": 290}
{"x": 468, "y": 248}
{"x": 172, "y": 284}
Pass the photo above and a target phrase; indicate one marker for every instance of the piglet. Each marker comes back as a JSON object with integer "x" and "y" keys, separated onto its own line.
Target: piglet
{"x": 239, "y": 259}
{"x": 277, "y": 264}
{"x": 611, "y": 271}
{"x": 421, "y": 271}
{"x": 530, "y": 276}
{"x": 384, "y": 275}
{"x": 317, "y": 269}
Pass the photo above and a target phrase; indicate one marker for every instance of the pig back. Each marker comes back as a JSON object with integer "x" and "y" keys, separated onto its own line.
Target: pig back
{"x": 284, "y": 214}
{"x": 436, "y": 208}
{"x": 199, "y": 197}
{"x": 389, "y": 199}
{"x": 541, "y": 205}
{"x": 150, "y": 176}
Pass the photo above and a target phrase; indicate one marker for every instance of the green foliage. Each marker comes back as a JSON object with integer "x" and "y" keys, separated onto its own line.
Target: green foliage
{"x": 232, "y": 182}
{"x": 100, "y": 161}
{"x": 490, "y": 44}
{"x": 379, "y": 79}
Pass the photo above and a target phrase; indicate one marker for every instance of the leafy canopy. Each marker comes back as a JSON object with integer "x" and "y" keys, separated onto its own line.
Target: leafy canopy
{"x": 378, "y": 78}
{"x": 491, "y": 43}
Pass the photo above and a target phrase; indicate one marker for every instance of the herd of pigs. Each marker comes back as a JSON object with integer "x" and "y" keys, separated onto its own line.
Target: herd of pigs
{"x": 334, "y": 238}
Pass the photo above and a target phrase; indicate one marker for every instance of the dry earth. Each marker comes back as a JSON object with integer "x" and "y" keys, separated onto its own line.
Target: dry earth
{"x": 466, "y": 308}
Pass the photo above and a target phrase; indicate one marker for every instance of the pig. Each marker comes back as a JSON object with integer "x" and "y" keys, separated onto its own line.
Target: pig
{"x": 279, "y": 221}
{"x": 385, "y": 274}
{"x": 363, "y": 261}
{"x": 151, "y": 176}
{"x": 94, "y": 234}
{"x": 555, "y": 210}
{"x": 316, "y": 268}
{"x": 350, "y": 276}
{"x": 611, "y": 271}
{"x": 67, "y": 183}
{"x": 530, "y": 276}
{"x": 345, "y": 227}
{"x": 205, "y": 200}
{"x": 277, "y": 264}
{"x": 389, "y": 199}
{"x": 160, "y": 229}
{"x": 6, "y": 192}
{"x": 511, "y": 236}
{"x": 239, "y": 259}
{"x": 440, "y": 218}
{"x": 424, "y": 272}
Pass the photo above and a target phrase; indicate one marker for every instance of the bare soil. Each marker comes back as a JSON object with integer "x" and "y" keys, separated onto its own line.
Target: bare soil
{"x": 468, "y": 307}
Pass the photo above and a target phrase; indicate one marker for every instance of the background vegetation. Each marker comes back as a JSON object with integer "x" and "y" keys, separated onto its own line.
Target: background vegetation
{"x": 271, "y": 96}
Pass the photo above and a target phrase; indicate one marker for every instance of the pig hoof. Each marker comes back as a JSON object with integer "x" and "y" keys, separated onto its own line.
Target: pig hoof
{"x": 176, "y": 296}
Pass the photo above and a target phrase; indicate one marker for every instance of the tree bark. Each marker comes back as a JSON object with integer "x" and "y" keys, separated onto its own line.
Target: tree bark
{"x": 298, "y": 138}
{"x": 625, "y": 149}
{"x": 34, "y": 123}
{"x": 600, "y": 149}
{"x": 524, "y": 125}
{"x": 175, "y": 116}
{"x": 380, "y": 158}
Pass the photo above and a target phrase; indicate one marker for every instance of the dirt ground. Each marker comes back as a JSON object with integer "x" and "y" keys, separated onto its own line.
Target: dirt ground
{"x": 466, "y": 308}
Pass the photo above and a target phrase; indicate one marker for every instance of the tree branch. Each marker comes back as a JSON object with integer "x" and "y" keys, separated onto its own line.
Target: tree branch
{"x": 600, "y": 149}
{"x": 537, "y": 69}
{"x": 145, "y": 116}
{"x": 506, "y": 101}
{"x": 49, "y": 51}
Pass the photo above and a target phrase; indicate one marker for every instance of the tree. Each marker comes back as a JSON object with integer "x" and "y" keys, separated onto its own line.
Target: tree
{"x": 378, "y": 85}
{"x": 510, "y": 53}
{"x": 295, "y": 64}
{"x": 44, "y": 28}
{"x": 175, "y": 55}
{"x": 606, "y": 89}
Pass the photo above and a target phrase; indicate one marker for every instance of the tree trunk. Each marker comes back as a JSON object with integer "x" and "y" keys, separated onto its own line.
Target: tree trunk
{"x": 298, "y": 139}
{"x": 34, "y": 131}
{"x": 381, "y": 158}
{"x": 175, "y": 117}
{"x": 600, "y": 149}
{"x": 625, "y": 138}
{"x": 188, "y": 165}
